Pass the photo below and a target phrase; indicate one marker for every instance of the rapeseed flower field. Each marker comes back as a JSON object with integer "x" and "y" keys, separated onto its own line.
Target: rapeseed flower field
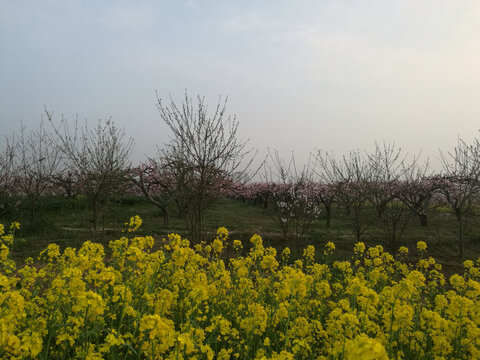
{"x": 177, "y": 301}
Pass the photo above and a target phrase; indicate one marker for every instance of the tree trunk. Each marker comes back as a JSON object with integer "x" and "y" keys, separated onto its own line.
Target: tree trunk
{"x": 423, "y": 219}
{"x": 328, "y": 210}
{"x": 357, "y": 223}
{"x": 460, "y": 237}
{"x": 32, "y": 214}
{"x": 166, "y": 216}
{"x": 95, "y": 211}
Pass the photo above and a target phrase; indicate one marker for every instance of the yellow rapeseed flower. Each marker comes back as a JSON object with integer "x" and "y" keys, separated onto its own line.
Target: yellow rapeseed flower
{"x": 365, "y": 348}
{"x": 421, "y": 245}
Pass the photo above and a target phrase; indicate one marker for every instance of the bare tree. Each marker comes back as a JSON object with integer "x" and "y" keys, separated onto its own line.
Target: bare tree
{"x": 36, "y": 160}
{"x": 417, "y": 191}
{"x": 356, "y": 173}
{"x": 461, "y": 183}
{"x": 65, "y": 181}
{"x": 204, "y": 155}
{"x": 99, "y": 158}
{"x": 325, "y": 167}
{"x": 326, "y": 195}
{"x": 7, "y": 172}
{"x": 349, "y": 176}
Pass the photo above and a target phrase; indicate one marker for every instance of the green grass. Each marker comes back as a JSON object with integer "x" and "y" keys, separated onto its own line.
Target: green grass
{"x": 68, "y": 222}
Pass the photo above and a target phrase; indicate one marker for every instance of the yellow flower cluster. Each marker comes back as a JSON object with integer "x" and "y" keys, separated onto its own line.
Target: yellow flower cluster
{"x": 191, "y": 303}
{"x": 134, "y": 223}
{"x": 421, "y": 245}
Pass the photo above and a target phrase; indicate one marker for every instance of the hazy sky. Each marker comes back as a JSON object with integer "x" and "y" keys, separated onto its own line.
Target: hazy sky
{"x": 300, "y": 75}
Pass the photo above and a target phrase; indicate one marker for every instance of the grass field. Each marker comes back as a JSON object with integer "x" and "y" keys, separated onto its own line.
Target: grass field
{"x": 67, "y": 222}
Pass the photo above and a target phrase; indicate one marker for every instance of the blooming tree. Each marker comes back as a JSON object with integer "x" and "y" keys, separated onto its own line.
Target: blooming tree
{"x": 387, "y": 170}
{"x": 294, "y": 197}
{"x": 326, "y": 195}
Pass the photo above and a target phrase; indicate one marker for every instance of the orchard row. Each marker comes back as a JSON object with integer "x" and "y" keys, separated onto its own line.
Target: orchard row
{"x": 205, "y": 161}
